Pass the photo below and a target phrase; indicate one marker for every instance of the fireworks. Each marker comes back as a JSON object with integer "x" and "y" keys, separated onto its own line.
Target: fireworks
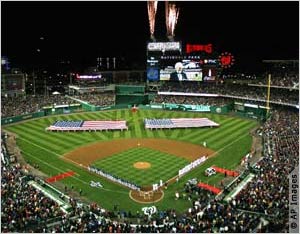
{"x": 172, "y": 14}
{"x": 152, "y": 7}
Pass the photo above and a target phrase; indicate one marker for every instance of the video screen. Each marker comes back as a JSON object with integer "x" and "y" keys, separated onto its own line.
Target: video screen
{"x": 14, "y": 82}
{"x": 153, "y": 74}
{"x": 152, "y": 69}
{"x": 180, "y": 70}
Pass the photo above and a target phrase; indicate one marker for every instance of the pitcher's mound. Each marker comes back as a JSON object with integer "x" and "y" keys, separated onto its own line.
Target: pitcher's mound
{"x": 142, "y": 165}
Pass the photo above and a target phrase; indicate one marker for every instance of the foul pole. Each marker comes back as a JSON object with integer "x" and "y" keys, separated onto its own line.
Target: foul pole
{"x": 268, "y": 94}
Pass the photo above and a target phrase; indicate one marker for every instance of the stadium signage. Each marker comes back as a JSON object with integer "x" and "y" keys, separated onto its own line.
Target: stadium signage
{"x": 156, "y": 106}
{"x": 189, "y": 94}
{"x": 105, "y": 108}
{"x": 226, "y": 60}
{"x": 26, "y": 116}
{"x": 88, "y": 76}
{"x": 193, "y": 48}
{"x": 192, "y": 165}
{"x": 197, "y": 107}
{"x": 164, "y": 46}
{"x": 251, "y": 105}
{"x": 60, "y": 106}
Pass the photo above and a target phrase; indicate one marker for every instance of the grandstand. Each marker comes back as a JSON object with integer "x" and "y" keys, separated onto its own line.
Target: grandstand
{"x": 68, "y": 166}
{"x": 280, "y": 154}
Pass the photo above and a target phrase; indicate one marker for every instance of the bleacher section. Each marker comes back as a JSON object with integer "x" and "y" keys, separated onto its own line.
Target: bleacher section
{"x": 54, "y": 194}
{"x": 238, "y": 188}
{"x": 95, "y": 125}
{"x": 179, "y": 123}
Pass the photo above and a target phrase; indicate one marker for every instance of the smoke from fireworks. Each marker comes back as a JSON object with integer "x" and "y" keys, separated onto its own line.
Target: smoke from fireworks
{"x": 152, "y": 7}
{"x": 172, "y": 14}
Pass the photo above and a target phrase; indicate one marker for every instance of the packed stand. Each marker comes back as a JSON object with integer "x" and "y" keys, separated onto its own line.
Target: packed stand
{"x": 264, "y": 198}
{"x": 191, "y": 100}
{"x": 283, "y": 74}
{"x": 13, "y": 106}
{"x": 234, "y": 90}
{"x": 268, "y": 193}
{"x": 290, "y": 80}
{"x": 23, "y": 208}
{"x": 97, "y": 99}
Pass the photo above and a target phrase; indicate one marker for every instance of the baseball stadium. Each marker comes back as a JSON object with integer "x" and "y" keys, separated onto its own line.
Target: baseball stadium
{"x": 139, "y": 151}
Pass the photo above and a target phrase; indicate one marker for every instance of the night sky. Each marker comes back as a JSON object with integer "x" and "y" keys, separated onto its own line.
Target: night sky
{"x": 82, "y": 31}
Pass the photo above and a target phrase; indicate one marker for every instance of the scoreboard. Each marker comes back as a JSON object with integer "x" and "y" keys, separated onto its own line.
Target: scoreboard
{"x": 12, "y": 83}
{"x": 198, "y": 62}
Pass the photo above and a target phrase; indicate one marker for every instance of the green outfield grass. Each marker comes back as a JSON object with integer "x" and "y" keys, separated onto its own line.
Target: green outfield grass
{"x": 163, "y": 166}
{"x": 231, "y": 141}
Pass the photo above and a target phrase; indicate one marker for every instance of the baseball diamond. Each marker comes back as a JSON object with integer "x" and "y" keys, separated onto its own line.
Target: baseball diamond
{"x": 191, "y": 129}
{"x": 167, "y": 151}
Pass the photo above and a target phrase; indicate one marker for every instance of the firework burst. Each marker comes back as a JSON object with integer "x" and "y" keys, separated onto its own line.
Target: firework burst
{"x": 152, "y": 8}
{"x": 172, "y": 13}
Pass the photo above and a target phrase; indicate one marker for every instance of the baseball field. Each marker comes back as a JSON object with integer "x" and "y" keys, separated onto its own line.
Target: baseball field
{"x": 138, "y": 155}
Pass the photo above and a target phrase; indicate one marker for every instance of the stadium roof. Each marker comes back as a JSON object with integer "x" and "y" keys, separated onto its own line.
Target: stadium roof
{"x": 281, "y": 61}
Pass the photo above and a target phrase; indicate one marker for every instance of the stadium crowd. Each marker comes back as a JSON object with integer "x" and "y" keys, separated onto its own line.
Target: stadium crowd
{"x": 191, "y": 100}
{"x": 29, "y": 104}
{"x": 268, "y": 193}
{"x": 23, "y": 208}
{"x": 261, "y": 206}
{"x": 282, "y": 75}
{"x": 286, "y": 80}
{"x": 235, "y": 90}
{"x": 99, "y": 99}
{"x": 13, "y": 106}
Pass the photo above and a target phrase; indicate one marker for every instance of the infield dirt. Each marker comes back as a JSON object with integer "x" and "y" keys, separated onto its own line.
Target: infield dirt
{"x": 86, "y": 155}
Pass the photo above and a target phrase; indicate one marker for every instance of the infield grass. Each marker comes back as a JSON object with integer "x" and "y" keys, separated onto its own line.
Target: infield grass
{"x": 162, "y": 166}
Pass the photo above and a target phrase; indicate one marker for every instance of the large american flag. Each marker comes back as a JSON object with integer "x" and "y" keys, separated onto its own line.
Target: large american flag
{"x": 88, "y": 125}
{"x": 179, "y": 123}
{"x": 104, "y": 125}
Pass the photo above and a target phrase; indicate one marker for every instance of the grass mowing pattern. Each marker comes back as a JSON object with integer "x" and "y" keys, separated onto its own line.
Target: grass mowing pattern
{"x": 231, "y": 140}
{"x": 163, "y": 166}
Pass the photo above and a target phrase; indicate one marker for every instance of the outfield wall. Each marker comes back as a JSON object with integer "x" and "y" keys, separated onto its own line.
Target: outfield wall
{"x": 87, "y": 107}
{"x": 56, "y": 110}
{"x": 197, "y": 108}
{"x": 19, "y": 118}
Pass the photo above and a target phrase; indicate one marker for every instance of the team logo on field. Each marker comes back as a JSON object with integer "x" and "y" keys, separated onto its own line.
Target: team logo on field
{"x": 149, "y": 210}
